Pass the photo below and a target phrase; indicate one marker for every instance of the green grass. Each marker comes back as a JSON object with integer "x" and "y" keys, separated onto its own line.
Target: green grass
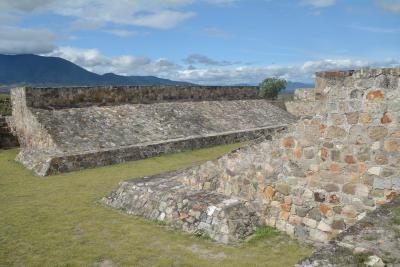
{"x": 5, "y": 107}
{"x": 396, "y": 215}
{"x": 263, "y": 233}
{"x": 58, "y": 221}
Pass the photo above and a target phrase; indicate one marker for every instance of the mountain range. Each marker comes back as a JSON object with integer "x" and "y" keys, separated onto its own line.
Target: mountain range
{"x": 37, "y": 70}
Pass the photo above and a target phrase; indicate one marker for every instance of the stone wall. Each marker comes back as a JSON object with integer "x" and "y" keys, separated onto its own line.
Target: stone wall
{"x": 73, "y": 136}
{"x": 55, "y": 98}
{"x": 322, "y": 175}
{"x": 7, "y": 139}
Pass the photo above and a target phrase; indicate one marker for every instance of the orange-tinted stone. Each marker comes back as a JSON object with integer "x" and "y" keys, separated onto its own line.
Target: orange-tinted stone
{"x": 334, "y": 167}
{"x": 391, "y": 145}
{"x": 324, "y": 209}
{"x": 269, "y": 192}
{"x": 376, "y": 95}
{"x": 322, "y": 128}
{"x": 391, "y": 195}
{"x": 288, "y": 142}
{"x": 284, "y": 215}
{"x": 324, "y": 154}
{"x": 297, "y": 153}
{"x": 386, "y": 118}
{"x": 285, "y": 207}
{"x": 349, "y": 159}
{"x": 183, "y": 215}
{"x": 294, "y": 219}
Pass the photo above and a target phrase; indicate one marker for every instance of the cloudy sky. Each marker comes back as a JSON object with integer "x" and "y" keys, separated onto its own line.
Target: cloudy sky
{"x": 206, "y": 41}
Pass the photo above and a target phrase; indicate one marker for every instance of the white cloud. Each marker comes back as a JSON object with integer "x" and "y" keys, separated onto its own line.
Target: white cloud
{"x": 319, "y": 3}
{"x": 121, "y": 33}
{"x": 93, "y": 60}
{"x": 194, "y": 59}
{"x": 389, "y": 5}
{"x": 14, "y": 40}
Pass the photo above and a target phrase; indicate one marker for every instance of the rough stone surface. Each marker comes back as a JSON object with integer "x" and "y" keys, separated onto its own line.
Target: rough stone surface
{"x": 375, "y": 236}
{"x": 7, "y": 137}
{"x": 69, "y": 129}
{"x": 324, "y": 164}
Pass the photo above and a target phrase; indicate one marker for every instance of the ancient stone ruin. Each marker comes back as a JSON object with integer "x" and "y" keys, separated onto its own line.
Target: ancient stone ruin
{"x": 68, "y": 129}
{"x": 324, "y": 173}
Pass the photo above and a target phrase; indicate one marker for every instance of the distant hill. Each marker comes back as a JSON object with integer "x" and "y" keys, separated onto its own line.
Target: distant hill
{"x": 290, "y": 87}
{"x": 54, "y": 71}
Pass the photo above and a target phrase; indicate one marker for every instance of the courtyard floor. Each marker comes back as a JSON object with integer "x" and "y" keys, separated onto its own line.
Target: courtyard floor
{"x": 59, "y": 221}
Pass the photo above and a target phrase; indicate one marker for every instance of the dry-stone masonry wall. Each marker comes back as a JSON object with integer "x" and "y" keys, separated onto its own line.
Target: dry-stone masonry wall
{"x": 322, "y": 175}
{"x": 66, "y": 129}
{"x": 7, "y": 138}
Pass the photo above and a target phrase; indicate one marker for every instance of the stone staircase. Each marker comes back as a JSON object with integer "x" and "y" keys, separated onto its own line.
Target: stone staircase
{"x": 7, "y": 139}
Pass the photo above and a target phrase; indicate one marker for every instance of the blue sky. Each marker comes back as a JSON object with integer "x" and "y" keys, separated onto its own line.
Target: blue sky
{"x": 207, "y": 41}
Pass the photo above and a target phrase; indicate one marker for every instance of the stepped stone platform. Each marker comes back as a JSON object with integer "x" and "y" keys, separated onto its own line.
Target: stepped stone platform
{"x": 314, "y": 179}
{"x": 68, "y": 129}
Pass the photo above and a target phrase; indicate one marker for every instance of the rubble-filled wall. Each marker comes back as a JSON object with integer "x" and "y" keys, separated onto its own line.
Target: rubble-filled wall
{"x": 313, "y": 181}
{"x": 68, "y": 129}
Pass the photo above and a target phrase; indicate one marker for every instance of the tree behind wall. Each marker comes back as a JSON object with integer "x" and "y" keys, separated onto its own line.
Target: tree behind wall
{"x": 270, "y": 87}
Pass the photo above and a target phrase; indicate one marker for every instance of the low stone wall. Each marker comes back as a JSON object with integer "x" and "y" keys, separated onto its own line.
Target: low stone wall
{"x": 328, "y": 170}
{"x": 55, "y": 98}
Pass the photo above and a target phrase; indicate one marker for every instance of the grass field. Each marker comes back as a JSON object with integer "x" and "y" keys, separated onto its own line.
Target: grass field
{"x": 58, "y": 221}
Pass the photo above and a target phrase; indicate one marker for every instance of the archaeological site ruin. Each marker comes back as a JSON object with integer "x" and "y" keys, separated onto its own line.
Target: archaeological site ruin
{"x": 313, "y": 170}
{"x": 69, "y": 129}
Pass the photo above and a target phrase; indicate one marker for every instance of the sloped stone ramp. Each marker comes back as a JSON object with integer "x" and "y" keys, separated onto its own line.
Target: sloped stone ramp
{"x": 202, "y": 212}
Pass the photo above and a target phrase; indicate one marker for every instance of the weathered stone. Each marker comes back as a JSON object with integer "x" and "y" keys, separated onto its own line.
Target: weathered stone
{"x": 288, "y": 142}
{"x": 309, "y": 152}
{"x": 324, "y": 227}
{"x": 349, "y": 159}
{"x": 283, "y": 188}
{"x": 331, "y": 187}
{"x": 352, "y": 117}
{"x": 335, "y": 132}
{"x": 310, "y": 222}
{"x": 392, "y": 145}
{"x": 375, "y": 170}
{"x": 325, "y": 209}
{"x": 335, "y": 155}
{"x": 324, "y": 154}
{"x": 319, "y": 197}
{"x": 375, "y": 95}
{"x": 315, "y": 214}
{"x": 377, "y": 132}
{"x": 386, "y": 118}
{"x": 365, "y": 118}
{"x": 338, "y": 224}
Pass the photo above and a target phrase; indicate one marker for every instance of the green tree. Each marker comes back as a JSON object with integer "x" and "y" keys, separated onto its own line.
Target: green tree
{"x": 270, "y": 87}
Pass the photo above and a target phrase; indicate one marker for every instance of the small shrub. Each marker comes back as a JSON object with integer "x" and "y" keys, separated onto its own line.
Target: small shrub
{"x": 270, "y": 87}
